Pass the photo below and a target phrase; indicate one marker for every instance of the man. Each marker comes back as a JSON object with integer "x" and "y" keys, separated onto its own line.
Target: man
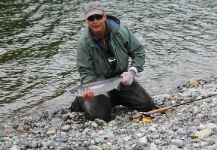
{"x": 103, "y": 51}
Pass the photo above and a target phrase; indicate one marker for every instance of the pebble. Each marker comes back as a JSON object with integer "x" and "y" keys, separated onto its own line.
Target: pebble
{"x": 177, "y": 142}
{"x": 202, "y": 133}
{"x": 188, "y": 126}
{"x": 66, "y": 128}
{"x": 51, "y": 132}
{"x": 143, "y": 140}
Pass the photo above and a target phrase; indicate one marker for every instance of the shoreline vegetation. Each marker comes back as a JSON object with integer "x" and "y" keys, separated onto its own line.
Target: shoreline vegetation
{"x": 188, "y": 126}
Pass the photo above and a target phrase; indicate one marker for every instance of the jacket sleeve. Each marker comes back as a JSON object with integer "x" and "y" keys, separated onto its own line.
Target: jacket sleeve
{"x": 135, "y": 50}
{"x": 85, "y": 64}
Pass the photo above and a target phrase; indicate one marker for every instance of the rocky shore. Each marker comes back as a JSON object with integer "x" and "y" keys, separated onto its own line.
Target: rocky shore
{"x": 190, "y": 124}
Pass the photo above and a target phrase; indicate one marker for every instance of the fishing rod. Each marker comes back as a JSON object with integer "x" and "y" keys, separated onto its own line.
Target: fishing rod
{"x": 150, "y": 115}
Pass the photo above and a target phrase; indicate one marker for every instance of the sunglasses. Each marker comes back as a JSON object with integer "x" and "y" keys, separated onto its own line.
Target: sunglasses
{"x": 98, "y": 17}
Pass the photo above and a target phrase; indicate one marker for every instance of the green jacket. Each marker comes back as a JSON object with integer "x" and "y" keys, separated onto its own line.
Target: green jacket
{"x": 91, "y": 61}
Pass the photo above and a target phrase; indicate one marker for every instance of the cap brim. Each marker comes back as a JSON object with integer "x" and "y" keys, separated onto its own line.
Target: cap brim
{"x": 95, "y": 12}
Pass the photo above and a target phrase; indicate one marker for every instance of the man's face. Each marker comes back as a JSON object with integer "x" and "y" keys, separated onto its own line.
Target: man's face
{"x": 97, "y": 23}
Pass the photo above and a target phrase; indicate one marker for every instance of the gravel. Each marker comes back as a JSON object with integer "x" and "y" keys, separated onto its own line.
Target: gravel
{"x": 190, "y": 124}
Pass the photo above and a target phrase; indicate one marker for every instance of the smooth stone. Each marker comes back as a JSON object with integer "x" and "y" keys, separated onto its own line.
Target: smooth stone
{"x": 153, "y": 146}
{"x": 139, "y": 135}
{"x": 44, "y": 144}
{"x": 94, "y": 125}
{"x": 193, "y": 82}
{"x": 202, "y": 127}
{"x": 212, "y": 147}
{"x": 68, "y": 122}
{"x": 64, "y": 133}
{"x": 177, "y": 142}
{"x": 50, "y": 144}
{"x": 94, "y": 147}
{"x": 99, "y": 121}
{"x": 127, "y": 138}
{"x": 65, "y": 117}
{"x": 143, "y": 140}
{"x": 34, "y": 144}
{"x": 202, "y": 133}
{"x": 51, "y": 132}
{"x": 204, "y": 144}
{"x": 15, "y": 147}
{"x": 173, "y": 147}
{"x": 211, "y": 126}
{"x": 66, "y": 128}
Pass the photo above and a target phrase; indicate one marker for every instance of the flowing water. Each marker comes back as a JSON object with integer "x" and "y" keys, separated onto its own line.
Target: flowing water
{"x": 38, "y": 47}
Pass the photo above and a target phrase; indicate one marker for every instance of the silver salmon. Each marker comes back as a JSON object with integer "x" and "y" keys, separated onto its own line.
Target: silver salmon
{"x": 98, "y": 87}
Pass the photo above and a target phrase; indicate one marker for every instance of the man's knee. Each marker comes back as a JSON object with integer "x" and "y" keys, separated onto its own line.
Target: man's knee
{"x": 99, "y": 107}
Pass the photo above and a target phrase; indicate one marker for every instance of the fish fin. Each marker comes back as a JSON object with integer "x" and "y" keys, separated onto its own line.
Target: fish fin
{"x": 118, "y": 87}
{"x": 100, "y": 78}
{"x": 107, "y": 95}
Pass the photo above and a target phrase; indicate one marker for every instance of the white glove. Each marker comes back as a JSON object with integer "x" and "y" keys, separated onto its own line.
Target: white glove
{"x": 128, "y": 76}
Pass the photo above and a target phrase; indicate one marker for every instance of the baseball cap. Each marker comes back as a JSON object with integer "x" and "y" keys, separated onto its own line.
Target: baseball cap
{"x": 93, "y": 8}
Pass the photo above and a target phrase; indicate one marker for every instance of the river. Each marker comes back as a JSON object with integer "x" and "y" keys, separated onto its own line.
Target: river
{"x": 38, "y": 47}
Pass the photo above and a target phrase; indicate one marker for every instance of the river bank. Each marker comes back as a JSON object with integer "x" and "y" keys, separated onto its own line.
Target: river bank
{"x": 188, "y": 126}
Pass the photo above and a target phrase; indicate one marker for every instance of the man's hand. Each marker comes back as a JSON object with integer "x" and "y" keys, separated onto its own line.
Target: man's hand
{"x": 88, "y": 96}
{"x": 128, "y": 76}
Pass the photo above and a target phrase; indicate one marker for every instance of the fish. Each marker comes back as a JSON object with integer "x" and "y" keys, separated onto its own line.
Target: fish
{"x": 98, "y": 87}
